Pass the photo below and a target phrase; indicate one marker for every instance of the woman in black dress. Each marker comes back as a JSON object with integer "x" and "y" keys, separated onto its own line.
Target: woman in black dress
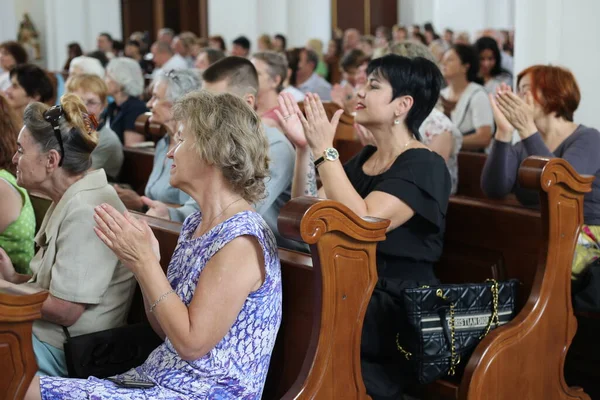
{"x": 398, "y": 179}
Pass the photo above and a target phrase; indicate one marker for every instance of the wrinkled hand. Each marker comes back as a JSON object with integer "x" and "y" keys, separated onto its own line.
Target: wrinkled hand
{"x": 504, "y": 128}
{"x": 317, "y": 127}
{"x": 518, "y": 113}
{"x": 7, "y": 270}
{"x": 289, "y": 120}
{"x": 132, "y": 241}
{"x": 156, "y": 208}
{"x": 364, "y": 135}
{"x": 131, "y": 199}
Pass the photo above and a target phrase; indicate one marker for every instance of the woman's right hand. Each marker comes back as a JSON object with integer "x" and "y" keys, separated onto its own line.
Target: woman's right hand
{"x": 290, "y": 121}
{"x": 504, "y": 129}
{"x": 7, "y": 270}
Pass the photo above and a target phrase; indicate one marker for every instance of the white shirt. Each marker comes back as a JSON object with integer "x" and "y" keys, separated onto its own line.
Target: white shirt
{"x": 174, "y": 63}
{"x": 318, "y": 85}
{"x": 298, "y": 95}
{"x": 4, "y": 81}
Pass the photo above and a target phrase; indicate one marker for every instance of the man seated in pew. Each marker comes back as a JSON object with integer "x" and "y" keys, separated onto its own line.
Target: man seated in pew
{"x": 89, "y": 289}
{"x": 166, "y": 90}
{"x": 108, "y": 153}
{"x": 17, "y": 219}
{"x": 219, "y": 305}
{"x": 542, "y": 114}
{"x": 399, "y": 179}
{"x": 238, "y": 76}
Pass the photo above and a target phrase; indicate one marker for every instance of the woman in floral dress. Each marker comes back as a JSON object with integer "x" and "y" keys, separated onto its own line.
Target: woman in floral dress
{"x": 219, "y": 306}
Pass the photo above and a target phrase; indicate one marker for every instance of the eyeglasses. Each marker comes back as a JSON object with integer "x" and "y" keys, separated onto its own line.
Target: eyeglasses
{"x": 52, "y": 115}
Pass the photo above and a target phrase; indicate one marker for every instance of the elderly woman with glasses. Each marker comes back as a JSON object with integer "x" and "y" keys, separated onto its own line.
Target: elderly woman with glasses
{"x": 125, "y": 83}
{"x": 108, "y": 154}
{"x": 90, "y": 290}
{"x": 218, "y": 308}
{"x": 166, "y": 89}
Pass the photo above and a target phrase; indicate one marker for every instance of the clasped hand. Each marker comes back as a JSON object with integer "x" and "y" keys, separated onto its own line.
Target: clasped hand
{"x": 314, "y": 130}
{"x": 131, "y": 240}
{"x": 511, "y": 111}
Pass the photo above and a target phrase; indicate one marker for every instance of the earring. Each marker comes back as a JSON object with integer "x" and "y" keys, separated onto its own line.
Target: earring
{"x": 396, "y": 122}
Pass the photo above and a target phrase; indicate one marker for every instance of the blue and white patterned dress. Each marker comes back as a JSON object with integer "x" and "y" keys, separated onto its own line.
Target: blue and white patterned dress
{"x": 237, "y": 367}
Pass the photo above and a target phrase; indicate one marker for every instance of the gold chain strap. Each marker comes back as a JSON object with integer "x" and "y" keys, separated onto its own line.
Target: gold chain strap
{"x": 494, "y": 318}
{"x": 406, "y": 354}
{"x": 454, "y": 358}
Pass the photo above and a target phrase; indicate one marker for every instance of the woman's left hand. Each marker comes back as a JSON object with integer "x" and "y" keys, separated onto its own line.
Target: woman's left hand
{"x": 318, "y": 129}
{"x": 519, "y": 113}
{"x": 131, "y": 240}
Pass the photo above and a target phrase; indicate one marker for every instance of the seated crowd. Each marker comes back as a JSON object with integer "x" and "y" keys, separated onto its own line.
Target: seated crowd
{"x": 245, "y": 133}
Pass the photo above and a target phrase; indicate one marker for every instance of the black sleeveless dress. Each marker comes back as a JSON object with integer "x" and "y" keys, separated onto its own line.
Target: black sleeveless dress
{"x": 420, "y": 179}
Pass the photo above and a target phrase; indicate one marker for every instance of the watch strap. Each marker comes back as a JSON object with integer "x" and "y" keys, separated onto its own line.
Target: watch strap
{"x": 319, "y": 161}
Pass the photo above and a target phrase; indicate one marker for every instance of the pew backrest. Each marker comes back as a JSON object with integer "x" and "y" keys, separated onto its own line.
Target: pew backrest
{"x": 151, "y": 130}
{"x": 137, "y": 167}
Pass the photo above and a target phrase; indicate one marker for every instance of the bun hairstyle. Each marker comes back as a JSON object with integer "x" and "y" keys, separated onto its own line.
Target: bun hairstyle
{"x": 77, "y": 130}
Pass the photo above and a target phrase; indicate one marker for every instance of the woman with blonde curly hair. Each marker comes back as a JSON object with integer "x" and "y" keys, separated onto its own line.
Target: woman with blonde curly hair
{"x": 219, "y": 305}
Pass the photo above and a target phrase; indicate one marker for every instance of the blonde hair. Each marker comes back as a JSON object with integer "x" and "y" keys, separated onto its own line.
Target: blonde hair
{"x": 77, "y": 131}
{"x": 316, "y": 45}
{"x": 266, "y": 39}
{"x": 88, "y": 83}
{"x": 229, "y": 135}
{"x": 412, "y": 49}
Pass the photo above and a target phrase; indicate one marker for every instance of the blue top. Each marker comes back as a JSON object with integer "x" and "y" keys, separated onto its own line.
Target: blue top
{"x": 580, "y": 149}
{"x": 236, "y": 368}
{"x": 158, "y": 186}
{"x": 122, "y": 118}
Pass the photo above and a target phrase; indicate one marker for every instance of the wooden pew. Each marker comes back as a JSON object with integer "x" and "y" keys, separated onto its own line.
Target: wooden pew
{"x": 151, "y": 130}
{"x": 40, "y": 204}
{"x": 324, "y": 298}
{"x": 525, "y": 358}
{"x": 17, "y": 361}
{"x": 137, "y": 167}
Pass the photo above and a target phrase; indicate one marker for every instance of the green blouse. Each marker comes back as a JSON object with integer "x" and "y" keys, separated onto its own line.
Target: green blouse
{"x": 17, "y": 239}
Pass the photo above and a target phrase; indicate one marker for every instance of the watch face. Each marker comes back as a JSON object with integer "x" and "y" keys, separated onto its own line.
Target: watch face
{"x": 331, "y": 154}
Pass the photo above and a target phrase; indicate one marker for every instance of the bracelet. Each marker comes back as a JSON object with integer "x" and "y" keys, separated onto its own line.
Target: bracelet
{"x": 161, "y": 298}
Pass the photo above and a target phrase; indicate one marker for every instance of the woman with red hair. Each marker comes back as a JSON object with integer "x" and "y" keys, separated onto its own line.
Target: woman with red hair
{"x": 542, "y": 114}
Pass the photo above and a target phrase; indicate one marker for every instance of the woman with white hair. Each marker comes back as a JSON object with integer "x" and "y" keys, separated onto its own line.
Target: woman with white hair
{"x": 86, "y": 65}
{"x": 125, "y": 84}
{"x": 167, "y": 89}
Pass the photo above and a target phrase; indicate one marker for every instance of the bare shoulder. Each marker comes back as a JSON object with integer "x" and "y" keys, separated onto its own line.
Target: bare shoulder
{"x": 11, "y": 203}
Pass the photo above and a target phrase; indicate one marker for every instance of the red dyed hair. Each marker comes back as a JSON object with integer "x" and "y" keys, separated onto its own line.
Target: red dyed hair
{"x": 557, "y": 87}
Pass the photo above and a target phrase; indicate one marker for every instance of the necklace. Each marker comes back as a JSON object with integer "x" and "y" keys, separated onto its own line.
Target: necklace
{"x": 218, "y": 215}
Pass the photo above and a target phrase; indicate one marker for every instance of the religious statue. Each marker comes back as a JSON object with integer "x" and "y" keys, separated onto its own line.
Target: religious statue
{"x": 28, "y": 37}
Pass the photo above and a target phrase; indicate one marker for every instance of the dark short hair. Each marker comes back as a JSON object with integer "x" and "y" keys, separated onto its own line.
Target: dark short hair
{"x": 311, "y": 57}
{"x": 293, "y": 56}
{"x": 16, "y": 50}
{"x": 487, "y": 43}
{"x": 467, "y": 55}
{"x": 239, "y": 73}
{"x": 283, "y": 40}
{"x": 213, "y": 55}
{"x": 418, "y": 77}
{"x": 107, "y": 36}
{"x": 134, "y": 43}
{"x": 243, "y": 42}
{"x": 353, "y": 59}
{"x": 218, "y": 38}
{"x": 100, "y": 56}
{"x": 34, "y": 81}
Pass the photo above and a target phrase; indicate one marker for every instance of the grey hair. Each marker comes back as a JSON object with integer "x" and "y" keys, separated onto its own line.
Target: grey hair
{"x": 128, "y": 74}
{"x": 88, "y": 65}
{"x": 412, "y": 49}
{"x": 278, "y": 66}
{"x": 167, "y": 31}
{"x": 179, "y": 83}
{"x": 76, "y": 129}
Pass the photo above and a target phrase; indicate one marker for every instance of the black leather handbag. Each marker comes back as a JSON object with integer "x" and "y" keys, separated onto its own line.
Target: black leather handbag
{"x": 448, "y": 321}
{"x": 110, "y": 352}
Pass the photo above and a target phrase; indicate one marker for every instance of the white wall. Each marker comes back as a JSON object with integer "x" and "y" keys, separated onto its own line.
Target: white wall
{"x": 298, "y": 21}
{"x": 564, "y": 33}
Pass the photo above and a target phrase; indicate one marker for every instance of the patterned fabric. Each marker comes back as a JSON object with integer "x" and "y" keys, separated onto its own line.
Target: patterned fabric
{"x": 17, "y": 238}
{"x": 587, "y": 250}
{"x": 236, "y": 368}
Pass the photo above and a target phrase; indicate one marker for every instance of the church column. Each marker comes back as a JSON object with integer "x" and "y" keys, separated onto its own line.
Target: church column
{"x": 564, "y": 33}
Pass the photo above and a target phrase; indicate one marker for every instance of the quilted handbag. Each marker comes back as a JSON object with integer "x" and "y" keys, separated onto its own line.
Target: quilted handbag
{"x": 448, "y": 321}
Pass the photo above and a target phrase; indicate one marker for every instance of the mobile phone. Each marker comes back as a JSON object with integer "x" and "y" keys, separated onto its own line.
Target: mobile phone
{"x": 130, "y": 383}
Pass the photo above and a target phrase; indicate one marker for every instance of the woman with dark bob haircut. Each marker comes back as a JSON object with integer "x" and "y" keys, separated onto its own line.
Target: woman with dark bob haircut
{"x": 11, "y": 55}
{"x": 490, "y": 65}
{"x": 398, "y": 179}
{"x": 542, "y": 113}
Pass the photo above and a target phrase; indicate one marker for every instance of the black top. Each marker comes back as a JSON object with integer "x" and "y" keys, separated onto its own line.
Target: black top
{"x": 420, "y": 179}
{"x": 122, "y": 118}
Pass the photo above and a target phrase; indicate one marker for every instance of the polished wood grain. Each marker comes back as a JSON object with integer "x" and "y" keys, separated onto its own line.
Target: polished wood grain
{"x": 17, "y": 361}
{"x": 151, "y": 130}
